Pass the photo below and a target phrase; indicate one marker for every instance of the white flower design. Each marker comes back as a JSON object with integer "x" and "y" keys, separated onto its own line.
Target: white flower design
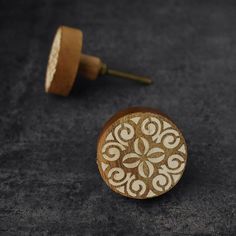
{"x": 143, "y": 157}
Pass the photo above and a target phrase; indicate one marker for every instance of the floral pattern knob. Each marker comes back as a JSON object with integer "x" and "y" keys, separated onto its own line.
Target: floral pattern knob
{"x": 141, "y": 153}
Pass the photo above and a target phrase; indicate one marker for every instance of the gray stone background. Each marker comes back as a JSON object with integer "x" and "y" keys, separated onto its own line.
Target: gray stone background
{"x": 49, "y": 182}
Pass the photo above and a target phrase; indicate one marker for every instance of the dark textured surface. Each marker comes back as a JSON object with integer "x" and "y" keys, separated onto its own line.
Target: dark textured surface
{"x": 49, "y": 182}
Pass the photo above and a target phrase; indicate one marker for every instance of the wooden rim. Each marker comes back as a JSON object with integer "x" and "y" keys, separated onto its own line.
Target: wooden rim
{"x": 63, "y": 61}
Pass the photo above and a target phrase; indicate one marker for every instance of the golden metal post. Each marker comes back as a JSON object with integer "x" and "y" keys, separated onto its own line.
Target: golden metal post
{"x": 124, "y": 75}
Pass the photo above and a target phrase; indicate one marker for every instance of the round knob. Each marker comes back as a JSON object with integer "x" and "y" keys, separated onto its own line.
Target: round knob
{"x": 141, "y": 153}
{"x": 66, "y": 60}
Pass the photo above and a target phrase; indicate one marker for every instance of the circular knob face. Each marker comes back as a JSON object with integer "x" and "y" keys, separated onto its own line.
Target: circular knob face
{"x": 141, "y": 153}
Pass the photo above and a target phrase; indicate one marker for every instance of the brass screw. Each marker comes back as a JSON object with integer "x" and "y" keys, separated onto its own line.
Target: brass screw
{"x": 106, "y": 71}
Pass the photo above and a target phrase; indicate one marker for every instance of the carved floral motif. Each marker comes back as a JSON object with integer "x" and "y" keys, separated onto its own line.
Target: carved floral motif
{"x": 149, "y": 150}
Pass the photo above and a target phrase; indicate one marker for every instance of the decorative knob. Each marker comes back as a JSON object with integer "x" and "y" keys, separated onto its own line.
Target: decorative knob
{"x": 141, "y": 153}
{"x": 66, "y": 59}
